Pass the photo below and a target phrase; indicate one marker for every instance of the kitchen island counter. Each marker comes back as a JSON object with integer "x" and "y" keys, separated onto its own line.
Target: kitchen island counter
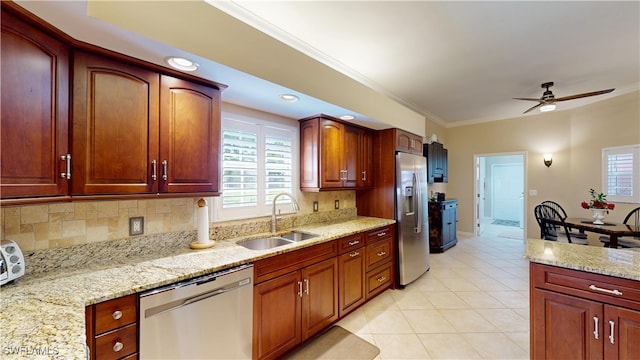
{"x": 44, "y": 313}
{"x": 598, "y": 260}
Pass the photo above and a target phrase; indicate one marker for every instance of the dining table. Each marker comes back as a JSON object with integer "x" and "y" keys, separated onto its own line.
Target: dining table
{"x": 612, "y": 229}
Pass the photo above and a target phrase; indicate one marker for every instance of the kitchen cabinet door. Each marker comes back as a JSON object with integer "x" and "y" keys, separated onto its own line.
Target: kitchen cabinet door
{"x": 621, "y": 333}
{"x": 115, "y": 127}
{"x": 408, "y": 142}
{"x": 34, "y": 112}
{"x": 565, "y": 327}
{"x": 320, "y": 297}
{"x": 351, "y": 280}
{"x": 332, "y": 163}
{"x": 189, "y": 136}
{"x": 277, "y": 325}
{"x": 365, "y": 159}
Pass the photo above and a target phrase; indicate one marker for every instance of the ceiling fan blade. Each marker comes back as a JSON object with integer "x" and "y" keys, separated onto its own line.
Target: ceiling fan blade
{"x": 534, "y": 107}
{"x": 578, "y": 96}
{"x": 528, "y": 99}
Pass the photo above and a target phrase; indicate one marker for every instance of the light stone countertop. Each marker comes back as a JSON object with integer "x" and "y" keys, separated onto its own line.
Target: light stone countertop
{"x": 43, "y": 317}
{"x": 612, "y": 262}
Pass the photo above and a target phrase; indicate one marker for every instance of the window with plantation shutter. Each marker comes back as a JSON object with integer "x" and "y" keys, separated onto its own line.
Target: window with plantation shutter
{"x": 621, "y": 173}
{"x": 257, "y": 164}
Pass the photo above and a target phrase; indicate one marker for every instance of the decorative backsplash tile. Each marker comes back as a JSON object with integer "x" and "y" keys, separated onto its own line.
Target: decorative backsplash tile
{"x": 46, "y": 226}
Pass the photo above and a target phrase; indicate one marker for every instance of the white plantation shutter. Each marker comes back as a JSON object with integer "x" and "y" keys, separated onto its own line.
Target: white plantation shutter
{"x": 621, "y": 173}
{"x": 239, "y": 168}
{"x": 257, "y": 164}
{"x": 278, "y": 165}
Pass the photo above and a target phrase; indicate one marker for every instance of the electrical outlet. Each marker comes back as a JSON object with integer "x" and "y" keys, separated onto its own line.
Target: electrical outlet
{"x": 336, "y": 204}
{"x": 136, "y": 225}
{"x": 315, "y": 206}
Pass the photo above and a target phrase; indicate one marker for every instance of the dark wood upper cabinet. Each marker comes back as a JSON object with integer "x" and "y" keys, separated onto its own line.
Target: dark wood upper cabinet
{"x": 437, "y": 162}
{"x": 115, "y": 127}
{"x": 334, "y": 155}
{"x": 408, "y": 142}
{"x": 189, "y": 136}
{"x": 136, "y": 131}
{"x": 35, "y": 112}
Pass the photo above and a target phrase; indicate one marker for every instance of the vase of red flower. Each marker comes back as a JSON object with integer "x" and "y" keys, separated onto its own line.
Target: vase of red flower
{"x": 598, "y": 206}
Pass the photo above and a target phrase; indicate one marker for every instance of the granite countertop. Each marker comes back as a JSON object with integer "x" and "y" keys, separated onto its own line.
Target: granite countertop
{"x": 612, "y": 262}
{"x": 43, "y": 316}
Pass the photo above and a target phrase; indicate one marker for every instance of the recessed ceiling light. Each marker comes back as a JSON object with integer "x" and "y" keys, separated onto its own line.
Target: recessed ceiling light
{"x": 182, "y": 64}
{"x": 288, "y": 98}
{"x": 347, "y": 117}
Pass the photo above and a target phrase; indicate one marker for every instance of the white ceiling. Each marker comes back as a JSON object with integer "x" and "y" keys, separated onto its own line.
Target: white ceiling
{"x": 453, "y": 62}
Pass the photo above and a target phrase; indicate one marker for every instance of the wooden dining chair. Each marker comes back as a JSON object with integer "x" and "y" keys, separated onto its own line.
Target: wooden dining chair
{"x": 550, "y": 231}
{"x": 563, "y": 215}
{"x": 632, "y": 219}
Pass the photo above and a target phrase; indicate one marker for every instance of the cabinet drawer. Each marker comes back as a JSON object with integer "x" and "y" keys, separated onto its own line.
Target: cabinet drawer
{"x": 115, "y": 313}
{"x": 117, "y": 344}
{"x": 349, "y": 243}
{"x": 378, "y": 280}
{"x": 378, "y": 253}
{"x": 275, "y": 266}
{"x": 383, "y": 233}
{"x": 590, "y": 286}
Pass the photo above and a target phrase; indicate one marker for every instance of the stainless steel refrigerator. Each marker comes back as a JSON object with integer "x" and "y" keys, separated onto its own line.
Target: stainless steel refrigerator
{"x": 411, "y": 215}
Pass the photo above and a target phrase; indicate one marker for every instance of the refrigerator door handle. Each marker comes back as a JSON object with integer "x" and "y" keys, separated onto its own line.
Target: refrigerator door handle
{"x": 417, "y": 219}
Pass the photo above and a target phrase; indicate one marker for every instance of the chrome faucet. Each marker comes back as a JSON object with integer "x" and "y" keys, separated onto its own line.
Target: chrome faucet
{"x": 274, "y": 221}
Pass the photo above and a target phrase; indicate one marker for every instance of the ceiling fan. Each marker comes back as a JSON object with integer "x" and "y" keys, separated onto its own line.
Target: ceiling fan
{"x": 548, "y": 101}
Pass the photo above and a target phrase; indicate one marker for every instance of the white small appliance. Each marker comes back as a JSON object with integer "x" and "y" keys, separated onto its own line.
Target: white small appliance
{"x": 11, "y": 261}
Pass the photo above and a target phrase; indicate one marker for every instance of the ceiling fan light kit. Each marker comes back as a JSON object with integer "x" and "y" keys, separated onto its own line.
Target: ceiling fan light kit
{"x": 548, "y": 101}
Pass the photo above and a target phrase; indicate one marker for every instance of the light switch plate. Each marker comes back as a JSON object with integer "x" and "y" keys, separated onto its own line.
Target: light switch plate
{"x": 315, "y": 206}
{"x": 336, "y": 204}
{"x": 136, "y": 225}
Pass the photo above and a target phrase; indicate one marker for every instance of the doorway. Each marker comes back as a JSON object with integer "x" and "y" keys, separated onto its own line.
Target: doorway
{"x": 500, "y": 185}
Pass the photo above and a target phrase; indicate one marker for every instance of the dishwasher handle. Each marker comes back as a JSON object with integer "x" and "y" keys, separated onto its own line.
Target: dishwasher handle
{"x": 194, "y": 299}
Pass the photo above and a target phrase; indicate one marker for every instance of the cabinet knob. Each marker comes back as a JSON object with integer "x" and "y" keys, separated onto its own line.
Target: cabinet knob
{"x": 118, "y": 346}
{"x": 116, "y": 315}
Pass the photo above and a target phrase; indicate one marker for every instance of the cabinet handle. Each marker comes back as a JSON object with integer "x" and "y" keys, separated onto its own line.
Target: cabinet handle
{"x": 381, "y": 279}
{"x": 154, "y": 170}
{"x": 354, "y": 254}
{"x": 118, "y": 346}
{"x": 116, "y": 315}
{"x": 67, "y": 159}
{"x": 364, "y": 175}
{"x": 355, "y": 242}
{"x": 306, "y": 286}
{"x": 382, "y": 253}
{"x": 596, "y": 334}
{"x": 343, "y": 175}
{"x": 612, "y": 326}
{"x": 300, "y": 288}
{"x": 165, "y": 174}
{"x": 614, "y": 291}
{"x": 382, "y": 234}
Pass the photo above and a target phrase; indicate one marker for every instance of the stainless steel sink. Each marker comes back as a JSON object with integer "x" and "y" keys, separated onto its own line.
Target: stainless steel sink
{"x": 275, "y": 241}
{"x": 297, "y": 236}
{"x": 264, "y": 243}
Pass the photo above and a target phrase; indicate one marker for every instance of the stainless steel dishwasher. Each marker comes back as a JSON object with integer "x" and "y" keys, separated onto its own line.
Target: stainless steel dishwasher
{"x": 209, "y": 317}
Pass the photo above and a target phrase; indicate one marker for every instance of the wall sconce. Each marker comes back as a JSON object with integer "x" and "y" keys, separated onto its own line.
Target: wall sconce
{"x": 548, "y": 159}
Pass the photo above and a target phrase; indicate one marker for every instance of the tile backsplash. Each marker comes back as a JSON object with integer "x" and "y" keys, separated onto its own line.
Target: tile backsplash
{"x": 45, "y": 226}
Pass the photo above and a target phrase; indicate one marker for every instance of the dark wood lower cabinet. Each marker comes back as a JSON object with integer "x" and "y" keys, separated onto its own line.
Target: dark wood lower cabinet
{"x": 293, "y": 307}
{"x": 580, "y": 315}
{"x": 300, "y": 293}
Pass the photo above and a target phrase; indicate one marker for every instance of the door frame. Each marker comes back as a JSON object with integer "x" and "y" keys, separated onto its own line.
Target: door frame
{"x": 477, "y": 190}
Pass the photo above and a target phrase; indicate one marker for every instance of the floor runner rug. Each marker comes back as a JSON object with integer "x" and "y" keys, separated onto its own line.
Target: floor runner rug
{"x": 335, "y": 343}
{"x": 506, "y": 222}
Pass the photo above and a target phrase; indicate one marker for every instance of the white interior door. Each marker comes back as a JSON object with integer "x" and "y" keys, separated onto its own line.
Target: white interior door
{"x": 507, "y": 191}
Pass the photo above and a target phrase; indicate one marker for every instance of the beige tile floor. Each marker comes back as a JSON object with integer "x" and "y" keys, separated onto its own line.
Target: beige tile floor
{"x": 472, "y": 304}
